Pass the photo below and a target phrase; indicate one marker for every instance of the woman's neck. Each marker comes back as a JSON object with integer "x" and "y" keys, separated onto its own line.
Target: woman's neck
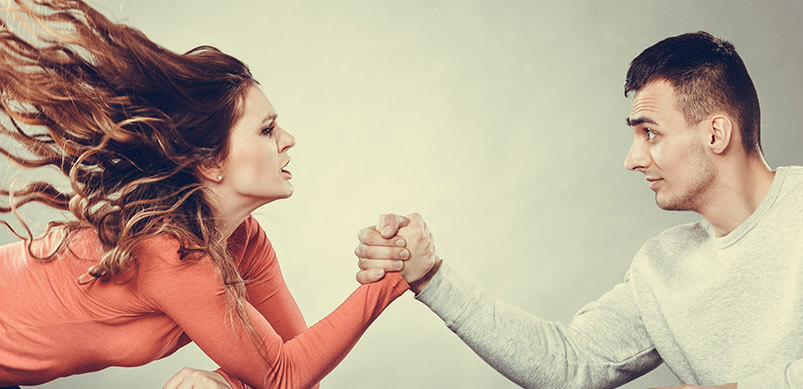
{"x": 230, "y": 213}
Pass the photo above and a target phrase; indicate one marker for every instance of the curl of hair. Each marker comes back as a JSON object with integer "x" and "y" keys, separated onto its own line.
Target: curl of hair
{"x": 127, "y": 122}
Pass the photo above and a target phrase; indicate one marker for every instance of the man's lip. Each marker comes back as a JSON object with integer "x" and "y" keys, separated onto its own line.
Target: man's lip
{"x": 651, "y": 179}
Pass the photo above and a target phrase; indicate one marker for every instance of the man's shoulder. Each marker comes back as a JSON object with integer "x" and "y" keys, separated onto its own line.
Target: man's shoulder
{"x": 793, "y": 178}
{"x": 675, "y": 242}
{"x": 793, "y": 170}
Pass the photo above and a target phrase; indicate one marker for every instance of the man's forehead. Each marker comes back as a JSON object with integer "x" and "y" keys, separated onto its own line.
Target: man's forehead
{"x": 654, "y": 96}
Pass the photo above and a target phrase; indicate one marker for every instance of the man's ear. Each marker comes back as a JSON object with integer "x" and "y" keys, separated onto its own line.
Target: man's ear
{"x": 719, "y": 130}
{"x": 211, "y": 171}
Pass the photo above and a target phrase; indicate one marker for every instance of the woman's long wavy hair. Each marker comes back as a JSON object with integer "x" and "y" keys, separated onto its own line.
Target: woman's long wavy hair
{"x": 128, "y": 122}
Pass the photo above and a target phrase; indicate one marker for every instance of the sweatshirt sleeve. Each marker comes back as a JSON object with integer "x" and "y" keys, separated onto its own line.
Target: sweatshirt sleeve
{"x": 788, "y": 375}
{"x": 192, "y": 294}
{"x": 605, "y": 345}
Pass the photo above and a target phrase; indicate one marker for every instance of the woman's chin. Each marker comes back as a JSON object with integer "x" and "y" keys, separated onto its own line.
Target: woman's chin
{"x": 274, "y": 197}
{"x": 289, "y": 193}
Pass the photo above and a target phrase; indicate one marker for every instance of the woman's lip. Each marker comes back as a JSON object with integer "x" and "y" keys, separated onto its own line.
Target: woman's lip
{"x": 286, "y": 174}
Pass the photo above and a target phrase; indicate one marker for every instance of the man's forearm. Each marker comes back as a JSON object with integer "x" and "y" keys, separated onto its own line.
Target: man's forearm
{"x": 604, "y": 346}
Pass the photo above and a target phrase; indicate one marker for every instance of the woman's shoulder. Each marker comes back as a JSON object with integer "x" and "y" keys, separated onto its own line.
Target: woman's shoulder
{"x": 250, "y": 246}
{"x": 86, "y": 240}
{"x": 248, "y": 234}
{"x": 165, "y": 249}
{"x": 248, "y": 241}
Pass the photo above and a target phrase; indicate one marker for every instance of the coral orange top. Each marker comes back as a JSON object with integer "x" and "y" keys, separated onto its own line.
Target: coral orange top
{"x": 51, "y": 326}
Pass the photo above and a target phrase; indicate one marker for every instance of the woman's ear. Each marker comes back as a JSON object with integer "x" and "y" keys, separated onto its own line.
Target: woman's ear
{"x": 211, "y": 171}
{"x": 719, "y": 130}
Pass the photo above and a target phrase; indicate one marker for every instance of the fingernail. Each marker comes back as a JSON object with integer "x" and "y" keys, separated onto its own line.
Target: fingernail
{"x": 404, "y": 254}
{"x": 387, "y": 231}
{"x": 398, "y": 265}
{"x": 400, "y": 242}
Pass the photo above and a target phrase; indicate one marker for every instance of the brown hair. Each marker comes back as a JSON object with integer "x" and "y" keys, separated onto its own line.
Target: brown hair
{"x": 707, "y": 74}
{"x": 128, "y": 122}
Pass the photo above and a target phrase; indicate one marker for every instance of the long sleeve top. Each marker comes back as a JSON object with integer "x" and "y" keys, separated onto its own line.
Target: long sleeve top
{"x": 53, "y": 326}
{"x": 714, "y": 309}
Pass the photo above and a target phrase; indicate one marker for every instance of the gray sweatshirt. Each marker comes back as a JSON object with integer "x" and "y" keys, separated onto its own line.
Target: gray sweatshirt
{"x": 714, "y": 309}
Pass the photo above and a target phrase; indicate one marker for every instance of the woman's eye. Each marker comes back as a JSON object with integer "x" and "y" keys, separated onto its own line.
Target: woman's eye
{"x": 267, "y": 131}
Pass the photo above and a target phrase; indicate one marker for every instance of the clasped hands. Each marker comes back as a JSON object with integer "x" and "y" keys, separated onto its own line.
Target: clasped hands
{"x": 397, "y": 243}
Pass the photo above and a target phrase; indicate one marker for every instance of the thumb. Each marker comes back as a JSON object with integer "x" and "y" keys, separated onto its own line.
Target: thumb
{"x": 389, "y": 224}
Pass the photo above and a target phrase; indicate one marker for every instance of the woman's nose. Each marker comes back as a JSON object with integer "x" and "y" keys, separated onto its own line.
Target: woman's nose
{"x": 286, "y": 140}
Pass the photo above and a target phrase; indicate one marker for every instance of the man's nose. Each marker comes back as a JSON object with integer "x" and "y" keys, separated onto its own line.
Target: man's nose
{"x": 637, "y": 157}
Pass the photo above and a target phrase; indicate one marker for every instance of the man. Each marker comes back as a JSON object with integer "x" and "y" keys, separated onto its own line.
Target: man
{"x": 720, "y": 301}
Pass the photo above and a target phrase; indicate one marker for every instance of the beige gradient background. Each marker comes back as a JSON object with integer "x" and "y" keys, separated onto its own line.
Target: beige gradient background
{"x": 500, "y": 121}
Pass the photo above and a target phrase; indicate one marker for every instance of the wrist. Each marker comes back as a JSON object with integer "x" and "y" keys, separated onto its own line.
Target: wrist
{"x": 420, "y": 284}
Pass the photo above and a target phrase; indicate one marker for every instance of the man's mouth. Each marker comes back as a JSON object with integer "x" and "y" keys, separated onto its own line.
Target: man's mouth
{"x": 654, "y": 182}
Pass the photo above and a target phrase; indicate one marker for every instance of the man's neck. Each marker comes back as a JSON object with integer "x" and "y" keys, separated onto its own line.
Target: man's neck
{"x": 739, "y": 190}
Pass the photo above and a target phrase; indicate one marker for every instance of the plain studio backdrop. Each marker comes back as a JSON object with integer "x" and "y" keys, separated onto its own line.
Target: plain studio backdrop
{"x": 501, "y": 122}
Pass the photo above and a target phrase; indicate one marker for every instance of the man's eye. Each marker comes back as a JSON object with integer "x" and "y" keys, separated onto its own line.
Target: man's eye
{"x": 650, "y": 134}
{"x": 267, "y": 131}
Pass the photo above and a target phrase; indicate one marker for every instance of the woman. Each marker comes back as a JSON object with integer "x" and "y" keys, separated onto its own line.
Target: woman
{"x": 166, "y": 156}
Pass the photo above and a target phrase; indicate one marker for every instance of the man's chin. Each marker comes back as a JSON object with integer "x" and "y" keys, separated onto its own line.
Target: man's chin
{"x": 668, "y": 204}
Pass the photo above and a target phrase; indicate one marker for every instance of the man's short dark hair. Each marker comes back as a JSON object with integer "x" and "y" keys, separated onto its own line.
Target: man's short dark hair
{"x": 708, "y": 75}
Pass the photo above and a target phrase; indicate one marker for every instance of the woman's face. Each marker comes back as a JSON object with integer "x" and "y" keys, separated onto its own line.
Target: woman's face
{"x": 254, "y": 170}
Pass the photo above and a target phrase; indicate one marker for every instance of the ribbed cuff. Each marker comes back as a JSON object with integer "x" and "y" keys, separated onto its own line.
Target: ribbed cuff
{"x": 397, "y": 283}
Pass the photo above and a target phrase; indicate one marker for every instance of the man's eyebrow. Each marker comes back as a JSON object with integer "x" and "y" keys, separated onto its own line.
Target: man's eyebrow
{"x": 639, "y": 120}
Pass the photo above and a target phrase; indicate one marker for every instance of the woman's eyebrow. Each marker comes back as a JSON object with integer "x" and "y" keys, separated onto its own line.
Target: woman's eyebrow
{"x": 269, "y": 119}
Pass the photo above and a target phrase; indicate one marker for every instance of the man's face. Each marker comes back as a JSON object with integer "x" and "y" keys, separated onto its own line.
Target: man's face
{"x": 671, "y": 154}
